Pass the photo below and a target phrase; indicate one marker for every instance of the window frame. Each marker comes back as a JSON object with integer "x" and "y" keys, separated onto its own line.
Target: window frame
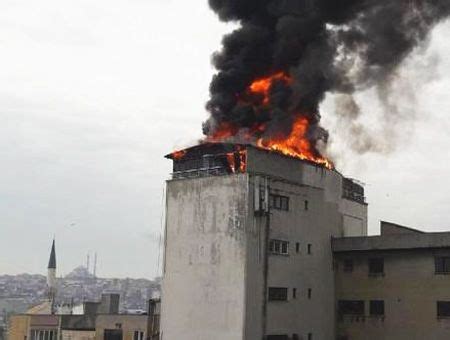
{"x": 373, "y": 265}
{"x": 277, "y": 337}
{"x": 442, "y": 268}
{"x": 279, "y": 202}
{"x": 138, "y": 335}
{"x": 375, "y": 306}
{"x": 281, "y": 294}
{"x": 361, "y": 306}
{"x": 279, "y": 247}
{"x": 439, "y": 306}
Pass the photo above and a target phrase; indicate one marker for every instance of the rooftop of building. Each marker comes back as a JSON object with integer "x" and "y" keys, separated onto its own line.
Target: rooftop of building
{"x": 393, "y": 237}
{"x": 217, "y": 148}
{"x": 217, "y": 159}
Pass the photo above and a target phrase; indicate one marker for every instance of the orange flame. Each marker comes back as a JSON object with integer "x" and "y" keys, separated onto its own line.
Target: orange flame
{"x": 237, "y": 161}
{"x": 262, "y": 86}
{"x": 177, "y": 155}
{"x": 296, "y": 144}
{"x": 224, "y": 131}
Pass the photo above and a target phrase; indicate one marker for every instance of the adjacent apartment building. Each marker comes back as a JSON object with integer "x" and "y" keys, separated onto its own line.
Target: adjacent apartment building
{"x": 259, "y": 245}
{"x": 393, "y": 286}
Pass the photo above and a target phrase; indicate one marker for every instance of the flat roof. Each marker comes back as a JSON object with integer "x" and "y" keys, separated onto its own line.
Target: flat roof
{"x": 392, "y": 242}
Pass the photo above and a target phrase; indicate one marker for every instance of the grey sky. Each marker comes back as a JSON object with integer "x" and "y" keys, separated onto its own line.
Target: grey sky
{"x": 94, "y": 93}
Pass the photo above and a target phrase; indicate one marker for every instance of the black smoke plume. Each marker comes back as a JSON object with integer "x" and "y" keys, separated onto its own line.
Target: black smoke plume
{"x": 326, "y": 46}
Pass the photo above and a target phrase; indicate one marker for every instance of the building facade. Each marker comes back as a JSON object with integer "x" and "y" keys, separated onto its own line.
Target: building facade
{"x": 247, "y": 252}
{"x": 393, "y": 286}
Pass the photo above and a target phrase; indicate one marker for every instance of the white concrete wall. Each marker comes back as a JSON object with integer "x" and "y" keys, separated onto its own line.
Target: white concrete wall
{"x": 203, "y": 293}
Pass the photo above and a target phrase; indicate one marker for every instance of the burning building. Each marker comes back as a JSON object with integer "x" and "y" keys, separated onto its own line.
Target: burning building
{"x": 248, "y": 229}
{"x": 260, "y": 245}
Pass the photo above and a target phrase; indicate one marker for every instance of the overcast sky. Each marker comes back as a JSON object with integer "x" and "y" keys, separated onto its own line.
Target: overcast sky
{"x": 93, "y": 94}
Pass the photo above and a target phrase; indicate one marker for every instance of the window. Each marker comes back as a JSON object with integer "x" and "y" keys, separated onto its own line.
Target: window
{"x": 42, "y": 334}
{"x": 278, "y": 294}
{"x": 351, "y": 307}
{"x": 295, "y": 337}
{"x": 442, "y": 265}
{"x": 279, "y": 202}
{"x": 310, "y": 336}
{"x": 297, "y": 247}
{"x": 138, "y": 335}
{"x": 309, "y": 293}
{"x": 309, "y": 248}
{"x": 277, "y": 337}
{"x": 443, "y": 309}
{"x": 306, "y": 205}
{"x": 348, "y": 265}
{"x": 294, "y": 293}
{"x": 279, "y": 247}
{"x": 377, "y": 307}
{"x": 376, "y": 266}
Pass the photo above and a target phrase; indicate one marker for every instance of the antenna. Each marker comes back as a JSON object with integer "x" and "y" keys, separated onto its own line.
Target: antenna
{"x": 87, "y": 262}
{"x": 95, "y": 265}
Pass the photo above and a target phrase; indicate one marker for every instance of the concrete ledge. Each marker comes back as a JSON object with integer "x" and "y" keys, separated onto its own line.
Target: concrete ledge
{"x": 392, "y": 242}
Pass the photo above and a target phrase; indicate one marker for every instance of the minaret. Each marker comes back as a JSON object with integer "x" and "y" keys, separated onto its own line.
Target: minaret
{"x": 51, "y": 278}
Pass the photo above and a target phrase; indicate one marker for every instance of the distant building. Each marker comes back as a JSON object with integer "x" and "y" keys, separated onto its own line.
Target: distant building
{"x": 154, "y": 316}
{"x": 100, "y": 320}
{"x": 121, "y": 327}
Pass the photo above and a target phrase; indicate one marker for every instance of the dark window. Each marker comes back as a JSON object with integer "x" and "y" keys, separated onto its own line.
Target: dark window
{"x": 295, "y": 337}
{"x": 294, "y": 293}
{"x": 309, "y": 293}
{"x": 112, "y": 334}
{"x": 306, "y": 205}
{"x": 297, "y": 247}
{"x": 309, "y": 336}
{"x": 377, "y": 307}
{"x": 376, "y": 266}
{"x": 279, "y": 247}
{"x": 277, "y": 337}
{"x": 442, "y": 265}
{"x": 443, "y": 309}
{"x": 278, "y": 294}
{"x": 309, "y": 248}
{"x": 279, "y": 202}
{"x": 348, "y": 266}
{"x": 351, "y": 307}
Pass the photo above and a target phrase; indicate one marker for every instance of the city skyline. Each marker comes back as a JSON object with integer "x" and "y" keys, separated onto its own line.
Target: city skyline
{"x": 93, "y": 96}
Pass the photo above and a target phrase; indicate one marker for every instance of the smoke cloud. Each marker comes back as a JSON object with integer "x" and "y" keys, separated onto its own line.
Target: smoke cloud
{"x": 326, "y": 46}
